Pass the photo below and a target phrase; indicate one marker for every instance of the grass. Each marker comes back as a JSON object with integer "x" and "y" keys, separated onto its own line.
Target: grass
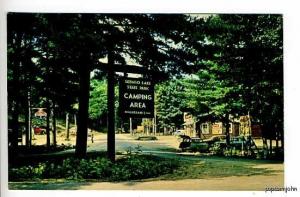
{"x": 215, "y": 168}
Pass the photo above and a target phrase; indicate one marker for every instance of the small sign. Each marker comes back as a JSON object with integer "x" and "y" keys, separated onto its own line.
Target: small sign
{"x": 40, "y": 113}
{"x": 136, "y": 97}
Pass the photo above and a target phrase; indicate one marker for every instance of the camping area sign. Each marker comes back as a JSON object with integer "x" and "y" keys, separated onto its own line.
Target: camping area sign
{"x": 136, "y": 97}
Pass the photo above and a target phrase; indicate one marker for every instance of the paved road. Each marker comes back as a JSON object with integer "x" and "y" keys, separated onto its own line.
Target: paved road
{"x": 126, "y": 141}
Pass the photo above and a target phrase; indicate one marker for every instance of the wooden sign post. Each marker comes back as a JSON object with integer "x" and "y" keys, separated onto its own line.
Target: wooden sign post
{"x": 137, "y": 97}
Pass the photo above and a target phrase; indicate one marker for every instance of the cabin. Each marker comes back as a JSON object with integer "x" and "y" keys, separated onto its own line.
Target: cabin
{"x": 203, "y": 126}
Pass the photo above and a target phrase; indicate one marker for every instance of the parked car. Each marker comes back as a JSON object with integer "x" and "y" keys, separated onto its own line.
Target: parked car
{"x": 178, "y": 132}
{"x": 193, "y": 144}
{"x": 210, "y": 141}
{"x": 236, "y": 142}
{"x": 39, "y": 130}
{"x": 185, "y": 142}
{"x": 198, "y": 145}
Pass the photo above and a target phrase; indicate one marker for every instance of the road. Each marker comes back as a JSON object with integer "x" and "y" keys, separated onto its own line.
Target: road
{"x": 126, "y": 141}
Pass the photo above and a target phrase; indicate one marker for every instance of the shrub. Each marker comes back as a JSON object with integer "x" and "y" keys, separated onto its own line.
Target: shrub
{"x": 130, "y": 168}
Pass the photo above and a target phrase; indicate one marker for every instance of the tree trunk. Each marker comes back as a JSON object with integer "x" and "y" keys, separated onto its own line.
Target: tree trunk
{"x": 111, "y": 111}
{"x": 28, "y": 121}
{"x": 271, "y": 148}
{"x": 67, "y": 127}
{"x": 48, "y": 107}
{"x": 200, "y": 131}
{"x": 130, "y": 126}
{"x": 15, "y": 125}
{"x": 265, "y": 147}
{"x": 84, "y": 86}
{"x": 153, "y": 126}
{"x": 75, "y": 122}
{"x": 48, "y": 123}
{"x": 16, "y": 108}
{"x": 54, "y": 125}
{"x": 277, "y": 140}
{"x": 282, "y": 139}
{"x": 227, "y": 126}
{"x": 250, "y": 124}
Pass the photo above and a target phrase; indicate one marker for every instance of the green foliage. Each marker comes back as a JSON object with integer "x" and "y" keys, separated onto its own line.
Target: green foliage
{"x": 169, "y": 103}
{"x": 38, "y": 122}
{"x": 251, "y": 52}
{"x": 98, "y": 99}
{"x": 142, "y": 167}
{"x": 217, "y": 150}
{"x": 130, "y": 168}
{"x": 27, "y": 172}
{"x": 237, "y": 61}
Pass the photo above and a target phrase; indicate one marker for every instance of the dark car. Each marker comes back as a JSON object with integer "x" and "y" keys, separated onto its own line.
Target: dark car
{"x": 198, "y": 145}
{"x": 237, "y": 142}
{"x": 185, "y": 142}
{"x": 193, "y": 144}
{"x": 243, "y": 143}
{"x": 210, "y": 141}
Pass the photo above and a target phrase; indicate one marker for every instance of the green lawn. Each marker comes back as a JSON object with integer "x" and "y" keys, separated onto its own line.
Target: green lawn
{"x": 208, "y": 168}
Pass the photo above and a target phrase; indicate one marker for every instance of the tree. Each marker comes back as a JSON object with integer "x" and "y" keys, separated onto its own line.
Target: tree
{"x": 69, "y": 47}
{"x": 206, "y": 93}
{"x": 20, "y": 72}
{"x": 98, "y": 97}
{"x": 247, "y": 51}
{"x": 170, "y": 103}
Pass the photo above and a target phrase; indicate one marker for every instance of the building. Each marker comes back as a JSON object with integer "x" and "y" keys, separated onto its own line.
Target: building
{"x": 189, "y": 124}
{"x": 247, "y": 127}
{"x": 199, "y": 126}
{"x": 40, "y": 113}
{"x": 217, "y": 128}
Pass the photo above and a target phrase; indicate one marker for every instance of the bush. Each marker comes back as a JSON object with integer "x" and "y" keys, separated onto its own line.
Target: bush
{"x": 146, "y": 138}
{"x": 27, "y": 172}
{"x": 139, "y": 167}
{"x": 217, "y": 150}
{"x": 130, "y": 168}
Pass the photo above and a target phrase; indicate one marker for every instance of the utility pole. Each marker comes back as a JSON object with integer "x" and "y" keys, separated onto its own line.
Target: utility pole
{"x": 75, "y": 121}
{"x": 153, "y": 126}
{"x": 130, "y": 126}
{"x": 67, "y": 126}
